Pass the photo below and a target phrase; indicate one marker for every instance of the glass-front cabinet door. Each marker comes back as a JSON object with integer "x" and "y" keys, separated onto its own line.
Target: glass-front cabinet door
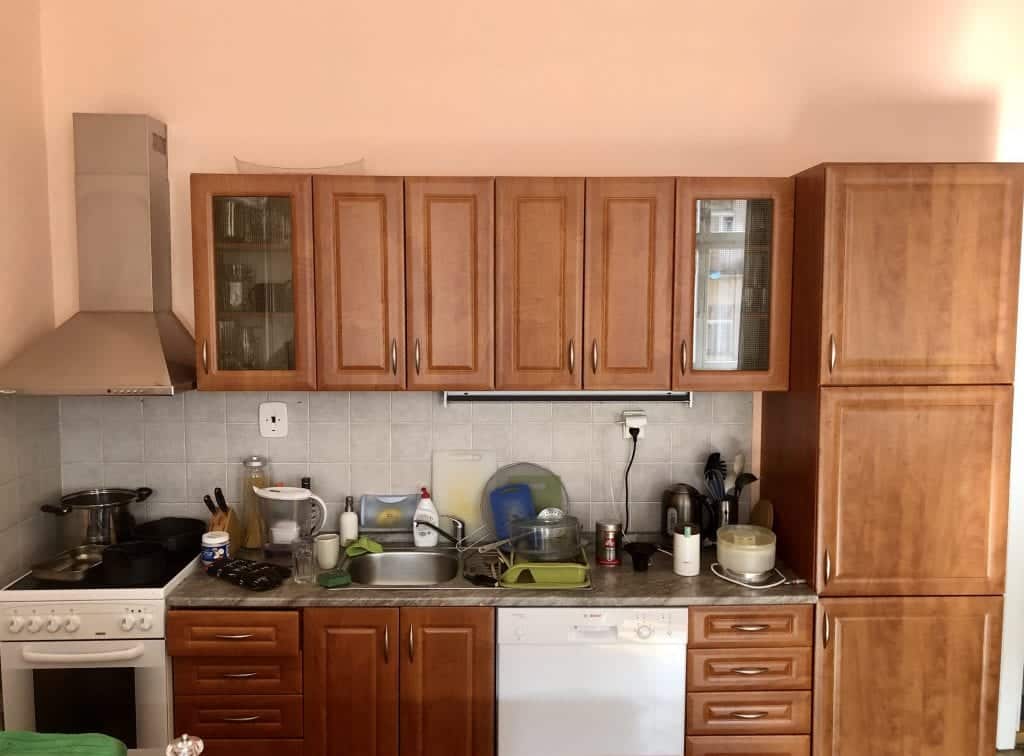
{"x": 734, "y": 251}
{"x": 253, "y": 265}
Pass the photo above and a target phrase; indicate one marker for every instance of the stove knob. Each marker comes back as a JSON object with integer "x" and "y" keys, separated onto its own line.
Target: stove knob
{"x": 146, "y": 622}
{"x": 54, "y": 623}
{"x": 128, "y": 622}
{"x": 643, "y": 632}
{"x": 16, "y": 624}
{"x": 35, "y": 623}
{"x": 72, "y": 623}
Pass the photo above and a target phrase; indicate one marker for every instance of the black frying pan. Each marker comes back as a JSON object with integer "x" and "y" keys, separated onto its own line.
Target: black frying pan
{"x": 178, "y": 535}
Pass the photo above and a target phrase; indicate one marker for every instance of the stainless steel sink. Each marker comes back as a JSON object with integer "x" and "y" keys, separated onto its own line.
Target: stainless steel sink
{"x": 404, "y": 568}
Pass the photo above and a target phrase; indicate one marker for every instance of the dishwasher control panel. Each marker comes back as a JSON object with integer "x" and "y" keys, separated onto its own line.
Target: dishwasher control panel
{"x": 647, "y": 625}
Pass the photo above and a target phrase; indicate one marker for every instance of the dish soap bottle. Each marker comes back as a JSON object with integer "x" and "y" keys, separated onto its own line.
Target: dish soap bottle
{"x": 423, "y": 536}
{"x": 349, "y": 525}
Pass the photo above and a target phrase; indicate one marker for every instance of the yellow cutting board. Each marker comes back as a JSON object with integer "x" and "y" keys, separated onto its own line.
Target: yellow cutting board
{"x": 459, "y": 478}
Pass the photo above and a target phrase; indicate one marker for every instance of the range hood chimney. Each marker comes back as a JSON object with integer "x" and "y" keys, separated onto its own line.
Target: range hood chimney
{"x": 126, "y": 339}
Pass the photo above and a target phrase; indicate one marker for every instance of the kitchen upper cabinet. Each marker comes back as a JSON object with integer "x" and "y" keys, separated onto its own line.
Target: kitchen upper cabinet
{"x": 897, "y": 676}
{"x": 920, "y": 274}
{"x": 733, "y": 271}
{"x": 252, "y": 243}
{"x": 447, "y": 706}
{"x": 628, "y": 301}
{"x": 351, "y": 681}
{"x": 450, "y": 283}
{"x": 539, "y": 274}
{"x": 913, "y": 490}
{"x": 360, "y": 282}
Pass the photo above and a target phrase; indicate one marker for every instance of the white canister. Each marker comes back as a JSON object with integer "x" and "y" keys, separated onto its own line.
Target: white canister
{"x": 686, "y": 551}
{"x": 216, "y": 545}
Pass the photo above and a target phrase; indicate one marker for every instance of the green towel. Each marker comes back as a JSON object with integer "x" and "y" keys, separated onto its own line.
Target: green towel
{"x": 363, "y": 545}
{"x": 42, "y": 744}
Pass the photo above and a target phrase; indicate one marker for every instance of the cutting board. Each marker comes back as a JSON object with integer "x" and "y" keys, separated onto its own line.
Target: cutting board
{"x": 459, "y": 478}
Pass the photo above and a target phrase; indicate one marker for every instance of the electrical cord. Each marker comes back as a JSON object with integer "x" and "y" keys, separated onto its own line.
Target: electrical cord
{"x": 635, "y": 433}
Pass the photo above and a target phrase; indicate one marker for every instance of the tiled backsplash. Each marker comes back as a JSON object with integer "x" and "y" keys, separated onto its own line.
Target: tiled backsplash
{"x": 380, "y": 442}
{"x": 29, "y": 478}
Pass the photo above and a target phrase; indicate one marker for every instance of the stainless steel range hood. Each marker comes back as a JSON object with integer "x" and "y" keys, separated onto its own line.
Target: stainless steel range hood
{"x": 126, "y": 339}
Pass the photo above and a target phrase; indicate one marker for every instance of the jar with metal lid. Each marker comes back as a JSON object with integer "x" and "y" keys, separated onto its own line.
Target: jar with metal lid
{"x": 254, "y": 475}
{"x": 608, "y": 543}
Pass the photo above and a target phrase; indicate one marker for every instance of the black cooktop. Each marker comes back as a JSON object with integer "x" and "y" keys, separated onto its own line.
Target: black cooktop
{"x": 175, "y": 564}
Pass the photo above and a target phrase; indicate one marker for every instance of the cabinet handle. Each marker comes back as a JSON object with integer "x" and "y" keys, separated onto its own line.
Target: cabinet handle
{"x": 750, "y": 628}
{"x": 387, "y": 645}
{"x": 682, "y": 357}
{"x": 416, "y": 356}
{"x": 750, "y": 670}
{"x": 593, "y": 357}
{"x": 206, "y": 361}
{"x": 242, "y": 636}
{"x": 394, "y": 357}
{"x": 411, "y": 647}
{"x": 831, "y": 353}
{"x": 572, "y": 356}
{"x": 240, "y": 675}
{"x": 253, "y": 718}
{"x": 826, "y": 629}
{"x": 749, "y": 714}
{"x": 828, "y": 567}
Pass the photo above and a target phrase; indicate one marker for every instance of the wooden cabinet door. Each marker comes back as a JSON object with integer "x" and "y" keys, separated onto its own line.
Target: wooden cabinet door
{"x": 897, "y": 676}
{"x": 450, "y": 278}
{"x": 351, "y": 681}
{"x": 539, "y": 283}
{"x": 912, "y": 490}
{"x": 252, "y": 260}
{"x": 921, "y": 269}
{"x": 628, "y": 300}
{"x": 360, "y": 282}
{"x": 733, "y": 274}
{"x": 447, "y": 681}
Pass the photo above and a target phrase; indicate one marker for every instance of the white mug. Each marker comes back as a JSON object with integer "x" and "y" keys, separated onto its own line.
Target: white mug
{"x": 327, "y": 547}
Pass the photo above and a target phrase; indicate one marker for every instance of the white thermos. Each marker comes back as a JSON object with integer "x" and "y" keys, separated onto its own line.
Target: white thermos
{"x": 686, "y": 550}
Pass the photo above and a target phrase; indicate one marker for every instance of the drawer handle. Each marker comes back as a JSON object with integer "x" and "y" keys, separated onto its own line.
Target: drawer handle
{"x": 411, "y": 644}
{"x": 394, "y": 356}
{"x": 241, "y": 636}
{"x": 750, "y": 628}
{"x": 253, "y": 718}
{"x": 572, "y": 356}
{"x": 682, "y": 357}
{"x": 749, "y": 714}
{"x": 240, "y": 675}
{"x": 831, "y": 353}
{"x": 387, "y": 645}
{"x": 416, "y": 356}
{"x": 750, "y": 670}
{"x": 593, "y": 357}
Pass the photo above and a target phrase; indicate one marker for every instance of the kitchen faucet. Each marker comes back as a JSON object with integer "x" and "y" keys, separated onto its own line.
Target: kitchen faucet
{"x": 457, "y": 525}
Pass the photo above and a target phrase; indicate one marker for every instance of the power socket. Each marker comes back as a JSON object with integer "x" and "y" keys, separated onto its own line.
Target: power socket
{"x": 633, "y": 419}
{"x": 273, "y": 419}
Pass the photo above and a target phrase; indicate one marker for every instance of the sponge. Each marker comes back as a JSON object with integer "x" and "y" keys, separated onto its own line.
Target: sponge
{"x": 338, "y": 578}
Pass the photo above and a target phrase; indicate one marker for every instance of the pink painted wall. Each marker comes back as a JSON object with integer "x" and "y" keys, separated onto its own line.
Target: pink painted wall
{"x": 532, "y": 86}
{"x": 26, "y": 286}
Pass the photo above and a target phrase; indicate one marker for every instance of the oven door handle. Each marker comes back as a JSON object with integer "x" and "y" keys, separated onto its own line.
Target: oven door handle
{"x": 88, "y": 657}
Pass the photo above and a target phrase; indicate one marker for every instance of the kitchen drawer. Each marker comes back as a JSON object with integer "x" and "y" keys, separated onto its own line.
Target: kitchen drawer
{"x": 266, "y": 675}
{"x": 780, "y": 712}
{"x": 239, "y": 716}
{"x": 750, "y": 626}
{"x": 254, "y": 747}
{"x": 201, "y": 633}
{"x": 757, "y": 745}
{"x": 748, "y": 669}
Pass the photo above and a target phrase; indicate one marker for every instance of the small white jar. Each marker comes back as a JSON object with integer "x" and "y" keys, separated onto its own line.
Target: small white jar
{"x": 216, "y": 545}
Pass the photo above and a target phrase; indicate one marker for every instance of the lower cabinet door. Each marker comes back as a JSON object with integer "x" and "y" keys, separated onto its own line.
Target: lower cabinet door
{"x": 748, "y": 745}
{"x": 447, "y": 675}
{"x": 896, "y": 676}
{"x": 351, "y": 681}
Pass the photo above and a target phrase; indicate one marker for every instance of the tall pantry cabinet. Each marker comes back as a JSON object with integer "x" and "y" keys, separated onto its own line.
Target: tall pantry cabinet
{"x": 888, "y": 459}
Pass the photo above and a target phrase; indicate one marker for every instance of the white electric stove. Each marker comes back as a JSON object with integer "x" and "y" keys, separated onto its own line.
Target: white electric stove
{"x": 87, "y": 657}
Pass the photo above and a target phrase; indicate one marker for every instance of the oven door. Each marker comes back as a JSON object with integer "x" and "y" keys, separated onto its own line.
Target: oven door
{"x": 119, "y": 688}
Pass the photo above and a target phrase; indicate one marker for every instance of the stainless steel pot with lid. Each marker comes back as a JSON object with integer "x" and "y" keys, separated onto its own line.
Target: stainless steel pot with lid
{"x": 100, "y": 515}
{"x": 552, "y": 536}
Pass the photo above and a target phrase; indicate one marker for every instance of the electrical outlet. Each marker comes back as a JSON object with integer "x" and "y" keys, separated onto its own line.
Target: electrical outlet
{"x": 633, "y": 419}
{"x": 273, "y": 419}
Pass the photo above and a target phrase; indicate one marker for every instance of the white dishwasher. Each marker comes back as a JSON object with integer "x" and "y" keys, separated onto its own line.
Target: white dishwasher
{"x": 591, "y": 682}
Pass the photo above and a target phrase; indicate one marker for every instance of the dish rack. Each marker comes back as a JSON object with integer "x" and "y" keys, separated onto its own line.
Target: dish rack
{"x": 574, "y": 575}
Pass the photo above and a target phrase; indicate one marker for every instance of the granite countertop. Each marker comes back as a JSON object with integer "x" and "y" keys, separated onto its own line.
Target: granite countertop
{"x": 612, "y": 586}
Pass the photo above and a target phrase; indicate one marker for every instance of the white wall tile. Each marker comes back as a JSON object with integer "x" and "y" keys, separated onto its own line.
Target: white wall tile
{"x": 292, "y": 448}
{"x": 203, "y": 477}
{"x": 451, "y": 437}
{"x": 572, "y": 441}
{"x": 492, "y": 412}
{"x": 411, "y": 406}
{"x": 411, "y": 442}
{"x": 455, "y": 412}
{"x": 123, "y": 474}
{"x": 409, "y": 477}
{"x": 244, "y": 406}
{"x": 531, "y": 412}
{"x": 329, "y": 407}
{"x": 331, "y": 482}
{"x": 370, "y": 407}
{"x": 370, "y": 478}
{"x": 165, "y": 442}
{"x": 369, "y": 442}
{"x": 81, "y": 443}
{"x": 329, "y": 442}
{"x": 123, "y": 443}
{"x": 156, "y": 409}
{"x": 206, "y": 442}
{"x": 168, "y": 481}
{"x": 244, "y": 440}
{"x": 531, "y": 442}
{"x": 493, "y": 437}
{"x": 79, "y": 476}
{"x": 205, "y": 407}
{"x": 572, "y": 412}
{"x": 297, "y": 403}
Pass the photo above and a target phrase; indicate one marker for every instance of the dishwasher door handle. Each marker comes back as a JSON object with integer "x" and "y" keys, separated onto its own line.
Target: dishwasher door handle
{"x": 594, "y": 632}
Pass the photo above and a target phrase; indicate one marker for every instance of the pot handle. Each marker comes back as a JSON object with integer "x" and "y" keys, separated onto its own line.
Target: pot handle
{"x": 54, "y": 510}
{"x": 143, "y": 493}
